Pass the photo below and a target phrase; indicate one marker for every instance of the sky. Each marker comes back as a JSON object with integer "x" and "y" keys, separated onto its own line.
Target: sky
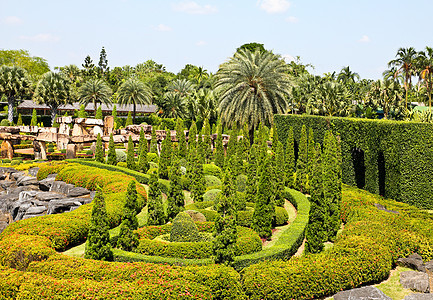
{"x": 329, "y": 35}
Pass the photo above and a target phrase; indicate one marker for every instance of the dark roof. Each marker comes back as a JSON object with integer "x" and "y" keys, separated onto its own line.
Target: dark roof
{"x": 29, "y": 104}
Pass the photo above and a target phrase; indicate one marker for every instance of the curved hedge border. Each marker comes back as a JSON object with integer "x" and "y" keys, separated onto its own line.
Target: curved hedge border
{"x": 364, "y": 253}
{"x": 30, "y": 245}
{"x": 247, "y": 242}
{"x": 290, "y": 239}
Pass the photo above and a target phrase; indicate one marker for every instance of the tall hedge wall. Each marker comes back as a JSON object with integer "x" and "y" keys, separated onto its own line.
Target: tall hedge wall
{"x": 398, "y": 156}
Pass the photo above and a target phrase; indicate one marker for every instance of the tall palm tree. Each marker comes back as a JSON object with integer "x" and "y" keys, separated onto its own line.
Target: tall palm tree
{"x": 134, "y": 92}
{"x": 405, "y": 62}
{"x": 386, "y": 94}
{"x": 53, "y": 89}
{"x": 330, "y": 99}
{"x": 174, "y": 106}
{"x": 346, "y": 75}
{"x": 95, "y": 91}
{"x": 183, "y": 87}
{"x": 14, "y": 83}
{"x": 252, "y": 87}
{"x": 426, "y": 70}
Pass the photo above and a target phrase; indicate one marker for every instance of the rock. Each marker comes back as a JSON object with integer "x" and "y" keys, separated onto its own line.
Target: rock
{"x": 70, "y": 151}
{"x": 413, "y": 261}
{"x": 4, "y": 172}
{"x": 429, "y": 265}
{"x": 17, "y": 174}
{"x": 78, "y": 191}
{"x": 36, "y": 210}
{"x": 19, "y": 210}
{"x": 26, "y": 195}
{"x": 26, "y": 180}
{"x": 362, "y": 293}
{"x": 196, "y": 216}
{"x": 33, "y": 171}
{"x": 61, "y": 187}
{"x": 381, "y": 207}
{"x": 4, "y": 184}
{"x": 61, "y": 205}
{"x": 419, "y": 297}
{"x": 48, "y": 196}
{"x": 45, "y": 184}
{"x": 417, "y": 281}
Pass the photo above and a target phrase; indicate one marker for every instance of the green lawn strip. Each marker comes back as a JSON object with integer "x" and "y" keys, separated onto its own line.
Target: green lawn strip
{"x": 120, "y": 255}
{"x": 291, "y": 210}
{"x": 77, "y": 251}
{"x": 290, "y": 239}
{"x": 392, "y": 287}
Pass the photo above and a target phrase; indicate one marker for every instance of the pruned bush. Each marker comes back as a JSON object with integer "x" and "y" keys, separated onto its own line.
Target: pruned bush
{"x": 184, "y": 229}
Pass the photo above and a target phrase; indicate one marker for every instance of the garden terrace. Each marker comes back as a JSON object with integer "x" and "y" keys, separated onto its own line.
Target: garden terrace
{"x": 394, "y": 159}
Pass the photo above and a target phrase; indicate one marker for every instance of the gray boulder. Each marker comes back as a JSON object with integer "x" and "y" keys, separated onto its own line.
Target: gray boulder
{"x": 78, "y": 192}
{"x": 17, "y": 174}
{"x": 5, "y": 184}
{"x": 48, "y": 196}
{"x": 62, "y": 205}
{"x": 413, "y": 261}
{"x": 26, "y": 180}
{"x": 381, "y": 207}
{"x": 429, "y": 265}
{"x": 61, "y": 187}
{"x": 33, "y": 171}
{"x": 36, "y": 210}
{"x": 419, "y": 297}
{"x": 417, "y": 281}
{"x": 45, "y": 184}
{"x": 4, "y": 172}
{"x": 362, "y": 293}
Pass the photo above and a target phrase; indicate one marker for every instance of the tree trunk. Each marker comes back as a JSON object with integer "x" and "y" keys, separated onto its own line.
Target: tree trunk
{"x": 53, "y": 114}
{"x": 11, "y": 109}
{"x": 133, "y": 114}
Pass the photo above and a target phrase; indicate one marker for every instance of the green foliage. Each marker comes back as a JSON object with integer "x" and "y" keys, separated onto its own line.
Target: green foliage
{"x": 207, "y": 143}
{"x": 143, "y": 163}
{"x": 142, "y": 142}
{"x": 311, "y": 156}
{"x": 34, "y": 121}
{"x": 34, "y": 65}
{"x": 111, "y": 157}
{"x": 5, "y": 122}
{"x": 98, "y": 114}
{"x": 154, "y": 141}
{"x": 175, "y": 197}
{"x": 130, "y": 155}
{"x": 289, "y": 166}
{"x": 82, "y": 112}
{"x": 182, "y": 150}
{"x": 212, "y": 181}
{"x": 251, "y": 172}
{"x": 302, "y": 162}
{"x": 184, "y": 229}
{"x": 128, "y": 119}
{"x": 264, "y": 209}
{"x": 192, "y": 139}
{"x": 20, "y": 120}
{"x": 316, "y": 229}
{"x": 252, "y": 47}
{"x": 128, "y": 239}
{"x": 165, "y": 158}
{"x": 99, "y": 152}
{"x": 155, "y": 208}
{"x": 212, "y": 169}
{"x": 279, "y": 176}
{"x": 98, "y": 242}
{"x": 114, "y": 114}
{"x": 219, "y": 148}
{"x": 55, "y": 124}
{"x": 198, "y": 182}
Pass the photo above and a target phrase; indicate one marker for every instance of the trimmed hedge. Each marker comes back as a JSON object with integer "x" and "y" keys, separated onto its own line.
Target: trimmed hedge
{"x": 391, "y": 158}
{"x": 364, "y": 253}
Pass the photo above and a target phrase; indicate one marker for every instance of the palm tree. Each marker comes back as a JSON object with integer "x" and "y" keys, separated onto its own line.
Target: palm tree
{"x": 134, "y": 92}
{"x": 405, "y": 62}
{"x": 14, "y": 83}
{"x": 174, "y": 106}
{"x": 346, "y": 75}
{"x": 95, "y": 91}
{"x": 386, "y": 94}
{"x": 183, "y": 87}
{"x": 330, "y": 99}
{"x": 52, "y": 89}
{"x": 426, "y": 70}
{"x": 252, "y": 87}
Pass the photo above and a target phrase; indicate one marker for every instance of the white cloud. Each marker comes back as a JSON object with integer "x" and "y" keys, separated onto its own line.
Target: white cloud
{"x": 194, "y": 8}
{"x": 162, "y": 27}
{"x": 292, "y": 19}
{"x": 288, "y": 58}
{"x": 12, "y": 20}
{"x": 364, "y": 39}
{"x": 41, "y": 37}
{"x": 201, "y": 43}
{"x": 274, "y": 6}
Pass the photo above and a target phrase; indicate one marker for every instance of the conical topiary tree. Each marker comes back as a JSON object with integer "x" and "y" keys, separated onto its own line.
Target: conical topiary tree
{"x": 128, "y": 119}
{"x": 251, "y": 171}
{"x": 142, "y": 142}
{"x": 192, "y": 139}
{"x": 114, "y": 114}
{"x": 219, "y": 148}
{"x": 34, "y": 120}
{"x": 264, "y": 209}
{"x": 143, "y": 163}
{"x": 156, "y": 215}
{"x": 98, "y": 239}
{"x": 301, "y": 164}
{"x": 165, "y": 158}
{"x": 181, "y": 139}
{"x": 130, "y": 155}
{"x": 289, "y": 166}
{"x": 279, "y": 174}
{"x": 99, "y": 151}
{"x": 175, "y": 198}
{"x": 207, "y": 142}
{"x": 198, "y": 183}
{"x": 154, "y": 141}
{"x": 111, "y": 157}
{"x": 98, "y": 114}
{"x": 82, "y": 112}
{"x": 128, "y": 239}
{"x": 311, "y": 156}
{"x": 20, "y": 120}
{"x": 316, "y": 229}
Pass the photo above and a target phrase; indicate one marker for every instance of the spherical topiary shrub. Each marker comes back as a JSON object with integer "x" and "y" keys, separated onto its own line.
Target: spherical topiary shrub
{"x": 5, "y": 122}
{"x": 121, "y": 164}
{"x": 184, "y": 229}
{"x": 120, "y": 155}
{"x": 212, "y": 169}
{"x": 211, "y": 195}
{"x": 241, "y": 183}
{"x": 212, "y": 181}
{"x": 152, "y": 157}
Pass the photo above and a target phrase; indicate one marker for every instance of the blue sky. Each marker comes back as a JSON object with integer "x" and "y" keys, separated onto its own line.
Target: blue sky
{"x": 327, "y": 34}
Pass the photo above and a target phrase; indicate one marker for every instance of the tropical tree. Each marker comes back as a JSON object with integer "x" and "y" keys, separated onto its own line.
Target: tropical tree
{"x": 252, "y": 87}
{"x": 330, "y": 99}
{"x": 53, "y": 90}
{"x": 14, "y": 83}
{"x": 405, "y": 62}
{"x": 386, "y": 94}
{"x": 426, "y": 70}
{"x": 134, "y": 92}
{"x": 95, "y": 91}
{"x": 347, "y": 76}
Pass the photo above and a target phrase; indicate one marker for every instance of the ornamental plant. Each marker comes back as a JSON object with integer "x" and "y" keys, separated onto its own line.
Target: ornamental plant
{"x": 219, "y": 148}
{"x": 289, "y": 166}
{"x": 264, "y": 209}
{"x": 198, "y": 182}
{"x": 279, "y": 174}
{"x": 165, "y": 158}
{"x": 82, "y": 112}
{"x": 175, "y": 197}
{"x": 20, "y": 120}
{"x": 130, "y": 154}
{"x": 301, "y": 164}
{"x": 153, "y": 141}
{"x": 192, "y": 140}
{"x": 34, "y": 120}
{"x": 142, "y": 142}
{"x": 99, "y": 151}
{"x": 155, "y": 207}
{"x": 98, "y": 240}
{"x": 128, "y": 239}
{"x": 143, "y": 163}
{"x": 251, "y": 171}
{"x": 98, "y": 114}
{"x": 128, "y": 119}
{"x": 182, "y": 150}
{"x": 207, "y": 142}
{"x": 311, "y": 155}
{"x": 111, "y": 157}
{"x": 55, "y": 124}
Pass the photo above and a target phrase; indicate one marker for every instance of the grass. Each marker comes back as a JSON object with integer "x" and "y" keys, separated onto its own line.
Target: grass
{"x": 392, "y": 287}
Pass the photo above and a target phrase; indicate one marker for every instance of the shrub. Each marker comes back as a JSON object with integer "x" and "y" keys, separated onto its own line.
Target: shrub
{"x": 128, "y": 239}
{"x": 152, "y": 157}
{"x": 122, "y": 164}
{"x": 15, "y": 162}
{"x": 281, "y": 216}
{"x": 184, "y": 229}
{"x": 112, "y": 155}
{"x": 5, "y": 122}
{"x": 212, "y": 180}
{"x": 241, "y": 182}
{"x": 211, "y": 195}
{"x": 212, "y": 169}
